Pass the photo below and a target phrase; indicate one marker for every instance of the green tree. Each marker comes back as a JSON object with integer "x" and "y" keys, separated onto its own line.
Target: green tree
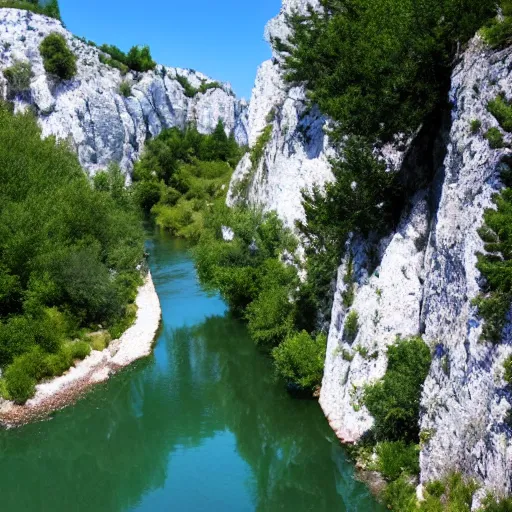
{"x": 58, "y": 59}
{"x": 379, "y": 67}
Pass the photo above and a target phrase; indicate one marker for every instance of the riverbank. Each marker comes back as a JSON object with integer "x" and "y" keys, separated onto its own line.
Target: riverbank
{"x": 135, "y": 343}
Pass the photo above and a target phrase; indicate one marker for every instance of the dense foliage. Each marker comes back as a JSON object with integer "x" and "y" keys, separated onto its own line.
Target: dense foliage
{"x": 46, "y": 7}
{"x": 300, "y": 359}
{"x": 58, "y": 59}
{"x": 182, "y": 173}
{"x": 68, "y": 254}
{"x": 496, "y": 266}
{"x": 394, "y": 401}
{"x": 138, "y": 58}
{"x": 245, "y": 263}
{"x": 379, "y": 67}
{"x": 498, "y": 32}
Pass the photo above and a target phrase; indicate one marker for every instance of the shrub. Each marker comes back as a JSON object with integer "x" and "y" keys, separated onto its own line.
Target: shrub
{"x": 189, "y": 90}
{"x": 99, "y": 341}
{"x": 476, "y": 125}
{"x": 395, "y": 458}
{"x": 123, "y": 68}
{"x": 270, "y": 317}
{"x": 351, "y": 326}
{"x": 125, "y": 89}
{"x": 206, "y": 86}
{"x": 498, "y": 32}
{"x": 400, "y": 495}
{"x": 147, "y": 194}
{"x": 18, "y": 78}
{"x": 496, "y": 233}
{"x": 394, "y": 401}
{"x": 300, "y": 359}
{"x": 495, "y": 138}
{"x": 258, "y": 150}
{"x": 79, "y": 349}
{"x": 58, "y": 59}
{"x": 139, "y": 59}
{"x": 19, "y": 385}
{"x": 507, "y": 365}
{"x": 501, "y": 109}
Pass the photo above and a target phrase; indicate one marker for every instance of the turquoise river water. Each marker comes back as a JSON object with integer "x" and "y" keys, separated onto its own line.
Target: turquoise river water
{"x": 202, "y": 425}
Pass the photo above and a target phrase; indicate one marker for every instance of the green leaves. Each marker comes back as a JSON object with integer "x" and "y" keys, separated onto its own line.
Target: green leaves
{"x": 394, "y": 401}
{"x": 58, "y": 59}
{"x": 379, "y": 67}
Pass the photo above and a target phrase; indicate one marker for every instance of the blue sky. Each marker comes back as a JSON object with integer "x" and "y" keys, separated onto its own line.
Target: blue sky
{"x": 221, "y": 38}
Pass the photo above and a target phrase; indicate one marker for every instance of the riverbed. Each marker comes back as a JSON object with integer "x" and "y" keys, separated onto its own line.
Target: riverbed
{"x": 201, "y": 425}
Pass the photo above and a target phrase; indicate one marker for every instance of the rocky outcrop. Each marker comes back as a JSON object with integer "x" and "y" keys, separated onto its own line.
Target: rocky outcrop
{"x": 420, "y": 280}
{"x": 90, "y": 112}
{"x": 296, "y": 155}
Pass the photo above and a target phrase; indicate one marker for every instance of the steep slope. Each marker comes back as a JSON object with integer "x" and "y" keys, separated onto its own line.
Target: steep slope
{"x": 297, "y": 150}
{"x": 420, "y": 280}
{"x": 89, "y": 111}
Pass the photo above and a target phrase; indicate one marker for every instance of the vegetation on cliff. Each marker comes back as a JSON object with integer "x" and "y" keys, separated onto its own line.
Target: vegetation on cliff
{"x": 68, "y": 256}
{"x": 46, "y": 7}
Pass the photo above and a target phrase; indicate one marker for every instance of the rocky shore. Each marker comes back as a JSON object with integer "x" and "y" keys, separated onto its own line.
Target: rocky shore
{"x": 134, "y": 344}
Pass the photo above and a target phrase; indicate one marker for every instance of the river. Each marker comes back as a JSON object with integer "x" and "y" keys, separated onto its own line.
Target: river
{"x": 202, "y": 425}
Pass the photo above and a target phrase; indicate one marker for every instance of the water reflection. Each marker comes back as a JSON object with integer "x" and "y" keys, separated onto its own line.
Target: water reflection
{"x": 202, "y": 425}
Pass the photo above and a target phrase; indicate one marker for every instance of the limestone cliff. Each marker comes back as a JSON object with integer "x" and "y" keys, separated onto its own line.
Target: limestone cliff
{"x": 296, "y": 156}
{"x": 89, "y": 110}
{"x": 420, "y": 280}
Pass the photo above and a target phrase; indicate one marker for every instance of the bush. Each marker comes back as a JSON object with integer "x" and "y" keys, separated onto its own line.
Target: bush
{"x": 395, "y": 458}
{"x": 476, "y": 125}
{"x": 400, "y": 495}
{"x": 300, "y": 359}
{"x": 494, "y": 304}
{"x": 495, "y": 138}
{"x": 18, "y": 78}
{"x": 498, "y": 32}
{"x": 507, "y": 366}
{"x": 189, "y": 90}
{"x": 123, "y": 68}
{"x": 58, "y": 59}
{"x": 501, "y": 109}
{"x": 351, "y": 326}
{"x": 125, "y": 89}
{"x": 394, "y": 401}
{"x": 79, "y": 349}
{"x": 19, "y": 385}
{"x": 139, "y": 59}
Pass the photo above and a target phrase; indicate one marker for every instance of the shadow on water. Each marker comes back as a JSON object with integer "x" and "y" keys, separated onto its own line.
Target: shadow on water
{"x": 201, "y": 425}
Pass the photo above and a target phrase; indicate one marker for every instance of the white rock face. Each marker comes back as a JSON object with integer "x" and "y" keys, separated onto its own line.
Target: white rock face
{"x": 297, "y": 152}
{"x": 465, "y": 400}
{"x": 90, "y": 112}
{"x": 427, "y": 288}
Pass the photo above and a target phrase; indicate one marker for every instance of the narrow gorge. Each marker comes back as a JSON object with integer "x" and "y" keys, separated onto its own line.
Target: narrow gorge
{"x": 423, "y": 279}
